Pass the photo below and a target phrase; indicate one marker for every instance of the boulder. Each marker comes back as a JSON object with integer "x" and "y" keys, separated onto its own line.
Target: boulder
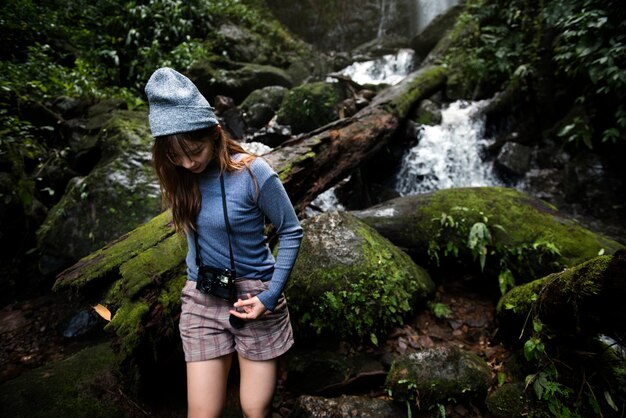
{"x": 514, "y": 159}
{"x": 310, "y": 106}
{"x": 428, "y": 113}
{"x": 119, "y": 194}
{"x": 238, "y": 81}
{"x": 413, "y": 222}
{"x": 261, "y": 105}
{"x": 350, "y": 282}
{"x": 345, "y": 407}
{"x": 330, "y": 26}
{"x": 508, "y": 400}
{"x": 438, "y": 374}
{"x": 436, "y": 29}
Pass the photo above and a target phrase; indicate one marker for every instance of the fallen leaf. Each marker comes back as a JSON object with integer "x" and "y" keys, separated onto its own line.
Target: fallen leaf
{"x": 103, "y": 312}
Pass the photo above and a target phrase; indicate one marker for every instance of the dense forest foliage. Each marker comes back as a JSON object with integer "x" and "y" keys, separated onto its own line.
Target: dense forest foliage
{"x": 556, "y": 51}
{"x": 567, "y": 50}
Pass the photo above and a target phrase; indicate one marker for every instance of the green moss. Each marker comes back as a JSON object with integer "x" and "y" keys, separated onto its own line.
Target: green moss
{"x": 508, "y": 401}
{"x": 360, "y": 296}
{"x": 437, "y": 375}
{"x": 126, "y": 323}
{"x": 520, "y": 299}
{"x": 524, "y": 219}
{"x": 545, "y": 296}
{"x": 170, "y": 296}
{"x": 107, "y": 260}
{"x": 69, "y": 388}
{"x": 422, "y": 85}
{"x": 124, "y": 129}
{"x": 151, "y": 264}
{"x": 285, "y": 171}
{"x": 309, "y": 106}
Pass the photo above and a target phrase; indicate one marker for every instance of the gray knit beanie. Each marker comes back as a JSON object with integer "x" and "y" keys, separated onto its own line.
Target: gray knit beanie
{"x": 176, "y": 104}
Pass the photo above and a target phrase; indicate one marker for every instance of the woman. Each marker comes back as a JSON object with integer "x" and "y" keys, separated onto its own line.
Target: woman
{"x": 225, "y": 231}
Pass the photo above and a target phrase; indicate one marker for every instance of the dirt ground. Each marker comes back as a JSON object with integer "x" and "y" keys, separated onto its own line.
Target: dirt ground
{"x": 31, "y": 334}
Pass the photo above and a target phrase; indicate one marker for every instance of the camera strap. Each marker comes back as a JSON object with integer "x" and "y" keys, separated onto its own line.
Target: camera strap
{"x": 228, "y": 232}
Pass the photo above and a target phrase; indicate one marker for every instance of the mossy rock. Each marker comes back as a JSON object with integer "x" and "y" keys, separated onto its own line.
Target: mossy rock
{"x": 509, "y": 400}
{"x": 70, "y": 388}
{"x": 236, "y": 82}
{"x": 413, "y": 222}
{"x": 310, "y": 106}
{"x": 119, "y": 194}
{"x": 261, "y": 105}
{"x": 350, "y": 282}
{"x": 271, "y": 96}
{"x": 437, "y": 375}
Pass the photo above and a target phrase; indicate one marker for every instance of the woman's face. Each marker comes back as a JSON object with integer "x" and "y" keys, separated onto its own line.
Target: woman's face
{"x": 194, "y": 156}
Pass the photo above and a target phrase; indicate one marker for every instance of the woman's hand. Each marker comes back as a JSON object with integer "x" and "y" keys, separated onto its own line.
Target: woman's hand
{"x": 250, "y": 308}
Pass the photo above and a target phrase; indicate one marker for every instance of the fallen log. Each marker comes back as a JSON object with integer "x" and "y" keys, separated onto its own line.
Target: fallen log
{"x": 311, "y": 163}
{"x": 584, "y": 299}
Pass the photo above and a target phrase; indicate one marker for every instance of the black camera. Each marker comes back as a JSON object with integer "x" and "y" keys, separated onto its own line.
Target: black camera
{"x": 217, "y": 282}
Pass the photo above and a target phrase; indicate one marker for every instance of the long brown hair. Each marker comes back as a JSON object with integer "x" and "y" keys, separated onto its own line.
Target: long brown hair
{"x": 179, "y": 186}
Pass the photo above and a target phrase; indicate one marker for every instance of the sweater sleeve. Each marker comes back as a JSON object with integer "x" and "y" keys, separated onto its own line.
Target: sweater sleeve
{"x": 275, "y": 204}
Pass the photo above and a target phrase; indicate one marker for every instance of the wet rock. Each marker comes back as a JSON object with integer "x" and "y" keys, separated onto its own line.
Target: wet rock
{"x": 514, "y": 159}
{"x": 428, "y": 113}
{"x": 223, "y": 103}
{"x": 234, "y": 123}
{"x": 69, "y": 107}
{"x": 272, "y": 135}
{"x": 310, "y": 106}
{"x": 89, "y": 214}
{"x": 345, "y": 406}
{"x": 426, "y": 40}
{"x": 435, "y": 375}
{"x": 258, "y": 115}
{"x": 80, "y": 324}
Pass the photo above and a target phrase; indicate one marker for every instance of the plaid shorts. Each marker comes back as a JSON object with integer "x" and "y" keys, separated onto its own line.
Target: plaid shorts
{"x": 207, "y": 333}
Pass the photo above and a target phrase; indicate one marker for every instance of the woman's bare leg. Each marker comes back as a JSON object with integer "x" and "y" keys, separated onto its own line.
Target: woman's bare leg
{"x": 206, "y": 387}
{"x": 257, "y": 384}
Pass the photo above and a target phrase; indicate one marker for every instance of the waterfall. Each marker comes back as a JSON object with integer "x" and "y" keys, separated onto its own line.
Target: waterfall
{"x": 390, "y": 69}
{"x": 448, "y": 155}
{"x": 388, "y": 11}
{"x": 427, "y": 10}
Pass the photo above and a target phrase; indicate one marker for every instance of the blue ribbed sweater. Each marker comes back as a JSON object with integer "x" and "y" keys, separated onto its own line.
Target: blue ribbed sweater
{"x": 247, "y": 206}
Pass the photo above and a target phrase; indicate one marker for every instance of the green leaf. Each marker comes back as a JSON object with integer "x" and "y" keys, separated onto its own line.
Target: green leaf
{"x": 609, "y": 400}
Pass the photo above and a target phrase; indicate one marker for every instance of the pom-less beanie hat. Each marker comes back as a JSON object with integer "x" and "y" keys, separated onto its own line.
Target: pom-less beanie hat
{"x": 176, "y": 104}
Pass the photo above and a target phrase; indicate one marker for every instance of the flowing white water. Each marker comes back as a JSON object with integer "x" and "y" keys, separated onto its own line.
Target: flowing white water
{"x": 389, "y": 69}
{"x": 448, "y": 155}
{"x": 325, "y": 202}
{"x": 428, "y": 10}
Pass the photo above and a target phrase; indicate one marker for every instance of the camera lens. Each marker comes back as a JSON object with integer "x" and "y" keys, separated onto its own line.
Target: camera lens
{"x": 204, "y": 285}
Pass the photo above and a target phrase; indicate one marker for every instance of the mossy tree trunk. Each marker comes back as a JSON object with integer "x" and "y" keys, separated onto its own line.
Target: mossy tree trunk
{"x": 584, "y": 298}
